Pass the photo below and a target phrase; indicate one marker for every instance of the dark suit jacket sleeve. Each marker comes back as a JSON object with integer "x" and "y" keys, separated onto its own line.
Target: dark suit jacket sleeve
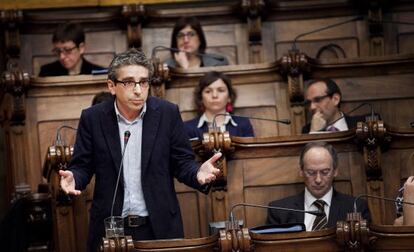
{"x": 272, "y": 215}
{"x": 362, "y": 206}
{"x": 306, "y": 129}
{"x": 284, "y": 216}
{"x": 247, "y": 128}
{"x": 182, "y": 156}
{"x": 81, "y": 163}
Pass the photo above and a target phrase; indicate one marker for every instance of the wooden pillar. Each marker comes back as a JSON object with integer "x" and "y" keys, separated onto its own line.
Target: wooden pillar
{"x": 292, "y": 67}
{"x": 254, "y": 12}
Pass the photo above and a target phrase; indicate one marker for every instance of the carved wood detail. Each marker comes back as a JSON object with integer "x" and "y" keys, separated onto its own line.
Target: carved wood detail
{"x": 10, "y": 20}
{"x": 16, "y": 83}
{"x": 293, "y": 66}
{"x": 234, "y": 238}
{"x": 159, "y": 78}
{"x": 376, "y": 30}
{"x": 254, "y": 12}
{"x": 118, "y": 244}
{"x": 135, "y": 15}
{"x": 352, "y": 233}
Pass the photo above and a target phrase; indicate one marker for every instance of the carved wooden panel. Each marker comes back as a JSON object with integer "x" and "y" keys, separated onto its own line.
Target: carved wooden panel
{"x": 346, "y": 36}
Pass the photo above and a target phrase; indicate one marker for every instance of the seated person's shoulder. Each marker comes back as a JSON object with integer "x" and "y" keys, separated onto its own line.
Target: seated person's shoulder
{"x": 285, "y": 202}
{"x": 210, "y": 59}
{"x": 52, "y": 69}
{"x": 88, "y": 67}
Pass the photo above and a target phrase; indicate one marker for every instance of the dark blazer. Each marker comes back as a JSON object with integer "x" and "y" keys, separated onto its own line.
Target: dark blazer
{"x": 351, "y": 121}
{"x": 166, "y": 153}
{"x": 243, "y": 129}
{"x": 341, "y": 204}
{"x": 56, "y": 69}
{"x": 207, "y": 60}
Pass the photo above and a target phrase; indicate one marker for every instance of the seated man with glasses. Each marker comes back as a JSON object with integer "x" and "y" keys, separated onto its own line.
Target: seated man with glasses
{"x": 323, "y": 99}
{"x": 69, "y": 46}
{"x": 188, "y": 37}
{"x": 318, "y": 168}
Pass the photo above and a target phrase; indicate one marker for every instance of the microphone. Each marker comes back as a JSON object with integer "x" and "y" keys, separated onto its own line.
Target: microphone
{"x": 231, "y": 216}
{"x": 214, "y": 125}
{"x": 127, "y": 134}
{"x": 398, "y": 201}
{"x": 58, "y": 139}
{"x": 164, "y": 48}
{"x": 324, "y": 28}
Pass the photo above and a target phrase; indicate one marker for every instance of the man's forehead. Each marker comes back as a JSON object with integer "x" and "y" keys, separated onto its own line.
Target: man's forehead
{"x": 317, "y": 154}
{"x": 317, "y": 88}
{"x": 135, "y": 69}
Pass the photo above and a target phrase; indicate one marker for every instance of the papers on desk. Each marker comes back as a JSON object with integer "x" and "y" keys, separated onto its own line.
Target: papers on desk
{"x": 275, "y": 229}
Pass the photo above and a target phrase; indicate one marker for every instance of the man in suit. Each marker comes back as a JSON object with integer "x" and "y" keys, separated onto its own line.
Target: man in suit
{"x": 157, "y": 151}
{"x": 323, "y": 99}
{"x": 69, "y": 46}
{"x": 318, "y": 167}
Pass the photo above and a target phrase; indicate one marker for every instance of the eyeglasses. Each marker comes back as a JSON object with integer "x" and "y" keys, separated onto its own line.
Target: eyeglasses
{"x": 65, "y": 51}
{"x": 316, "y": 99}
{"x": 130, "y": 84}
{"x": 182, "y": 35}
{"x": 313, "y": 174}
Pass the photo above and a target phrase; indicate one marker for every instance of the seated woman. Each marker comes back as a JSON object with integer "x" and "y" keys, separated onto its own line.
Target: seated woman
{"x": 213, "y": 96}
{"x": 408, "y": 209}
{"x": 188, "y": 37}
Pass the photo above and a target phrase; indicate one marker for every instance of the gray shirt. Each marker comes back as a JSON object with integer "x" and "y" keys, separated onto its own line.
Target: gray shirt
{"x": 134, "y": 202}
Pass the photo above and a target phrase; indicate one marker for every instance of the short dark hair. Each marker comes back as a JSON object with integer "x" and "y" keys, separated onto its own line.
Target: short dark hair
{"x": 69, "y": 32}
{"x": 326, "y": 146}
{"x": 206, "y": 80}
{"x": 102, "y": 97}
{"x": 331, "y": 87}
{"x": 128, "y": 58}
{"x": 194, "y": 24}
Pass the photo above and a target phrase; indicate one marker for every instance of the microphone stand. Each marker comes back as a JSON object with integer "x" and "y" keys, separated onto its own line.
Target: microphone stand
{"x": 231, "y": 216}
{"x": 58, "y": 140}
{"x": 377, "y": 197}
{"x": 322, "y": 29}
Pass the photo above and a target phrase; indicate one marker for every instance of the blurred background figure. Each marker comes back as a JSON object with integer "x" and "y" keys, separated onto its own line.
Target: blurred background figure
{"x": 102, "y": 97}
{"x": 408, "y": 210}
{"x": 188, "y": 37}
{"x": 215, "y": 95}
{"x": 68, "y": 45}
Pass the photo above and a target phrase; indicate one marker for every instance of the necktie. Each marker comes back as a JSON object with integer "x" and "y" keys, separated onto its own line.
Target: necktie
{"x": 320, "y": 222}
{"x": 332, "y": 129}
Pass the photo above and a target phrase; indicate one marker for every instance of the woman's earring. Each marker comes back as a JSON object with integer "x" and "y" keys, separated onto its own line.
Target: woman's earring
{"x": 229, "y": 107}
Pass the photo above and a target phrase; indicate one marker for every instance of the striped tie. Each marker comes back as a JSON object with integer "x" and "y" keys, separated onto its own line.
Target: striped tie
{"x": 320, "y": 222}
